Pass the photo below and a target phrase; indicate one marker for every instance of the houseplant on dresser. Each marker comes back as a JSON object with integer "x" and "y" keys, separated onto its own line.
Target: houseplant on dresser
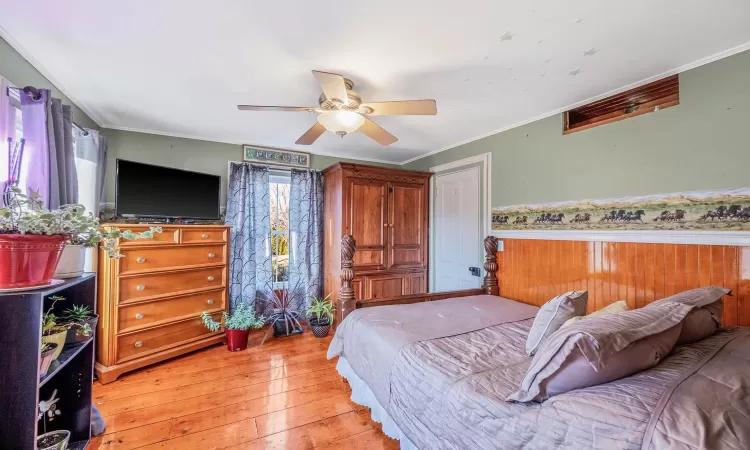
{"x": 237, "y": 325}
{"x": 320, "y": 315}
{"x": 33, "y": 239}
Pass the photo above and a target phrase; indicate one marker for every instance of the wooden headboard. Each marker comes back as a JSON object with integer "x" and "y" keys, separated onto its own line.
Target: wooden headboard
{"x": 533, "y": 271}
{"x": 347, "y": 302}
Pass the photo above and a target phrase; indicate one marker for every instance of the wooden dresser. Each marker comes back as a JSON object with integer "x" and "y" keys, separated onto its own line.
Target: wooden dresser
{"x": 150, "y": 301}
{"x": 386, "y": 212}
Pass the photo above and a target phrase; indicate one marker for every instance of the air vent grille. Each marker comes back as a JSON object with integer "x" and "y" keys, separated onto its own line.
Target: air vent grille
{"x": 641, "y": 100}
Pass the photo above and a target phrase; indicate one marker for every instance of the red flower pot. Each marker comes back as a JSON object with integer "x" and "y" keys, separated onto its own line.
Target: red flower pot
{"x": 237, "y": 339}
{"x": 28, "y": 260}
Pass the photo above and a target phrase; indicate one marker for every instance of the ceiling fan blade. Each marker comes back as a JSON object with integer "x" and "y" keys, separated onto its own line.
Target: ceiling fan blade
{"x": 311, "y": 135}
{"x": 405, "y": 107}
{"x": 376, "y": 133}
{"x": 276, "y": 108}
{"x": 333, "y": 85}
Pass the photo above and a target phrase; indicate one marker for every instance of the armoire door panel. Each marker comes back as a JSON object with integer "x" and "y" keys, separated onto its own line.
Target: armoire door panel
{"x": 418, "y": 282}
{"x": 381, "y": 286}
{"x": 407, "y": 225}
{"x": 367, "y": 222}
{"x": 357, "y": 285}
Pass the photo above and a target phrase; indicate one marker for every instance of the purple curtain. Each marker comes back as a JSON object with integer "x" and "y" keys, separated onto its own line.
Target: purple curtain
{"x": 49, "y": 156}
{"x": 36, "y": 152}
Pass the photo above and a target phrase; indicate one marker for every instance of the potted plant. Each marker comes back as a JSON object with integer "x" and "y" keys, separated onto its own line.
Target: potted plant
{"x": 47, "y": 356}
{"x": 52, "y": 332}
{"x": 32, "y": 239}
{"x": 320, "y": 315}
{"x": 283, "y": 318}
{"x": 237, "y": 325}
{"x": 80, "y": 320}
{"x": 54, "y": 440}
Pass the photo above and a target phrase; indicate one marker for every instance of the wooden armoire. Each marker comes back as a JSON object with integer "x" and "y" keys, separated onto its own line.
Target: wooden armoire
{"x": 386, "y": 212}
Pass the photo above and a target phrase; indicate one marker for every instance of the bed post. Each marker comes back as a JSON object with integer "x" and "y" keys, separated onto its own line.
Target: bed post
{"x": 346, "y": 303}
{"x": 490, "y": 284}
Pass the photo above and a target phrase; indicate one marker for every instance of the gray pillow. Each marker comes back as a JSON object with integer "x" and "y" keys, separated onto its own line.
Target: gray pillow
{"x": 702, "y": 321}
{"x": 600, "y": 342}
{"x": 553, "y": 314}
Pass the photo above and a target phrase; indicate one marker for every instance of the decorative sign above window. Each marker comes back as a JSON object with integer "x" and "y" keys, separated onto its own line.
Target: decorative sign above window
{"x": 275, "y": 157}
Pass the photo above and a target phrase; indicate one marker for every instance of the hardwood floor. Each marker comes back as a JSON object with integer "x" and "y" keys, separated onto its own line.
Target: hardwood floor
{"x": 282, "y": 395}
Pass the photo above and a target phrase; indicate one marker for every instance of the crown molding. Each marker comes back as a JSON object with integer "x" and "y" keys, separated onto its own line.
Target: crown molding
{"x": 56, "y": 83}
{"x": 701, "y": 62}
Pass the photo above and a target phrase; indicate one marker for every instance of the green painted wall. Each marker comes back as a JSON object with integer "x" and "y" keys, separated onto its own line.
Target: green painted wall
{"x": 14, "y": 68}
{"x": 703, "y": 143}
{"x": 190, "y": 154}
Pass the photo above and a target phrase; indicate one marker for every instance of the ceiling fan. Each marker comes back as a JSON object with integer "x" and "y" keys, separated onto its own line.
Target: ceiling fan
{"x": 342, "y": 112}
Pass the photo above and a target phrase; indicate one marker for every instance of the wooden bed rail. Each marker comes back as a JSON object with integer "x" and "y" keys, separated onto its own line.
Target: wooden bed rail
{"x": 347, "y": 302}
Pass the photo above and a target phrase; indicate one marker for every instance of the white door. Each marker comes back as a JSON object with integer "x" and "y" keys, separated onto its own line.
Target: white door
{"x": 457, "y": 230}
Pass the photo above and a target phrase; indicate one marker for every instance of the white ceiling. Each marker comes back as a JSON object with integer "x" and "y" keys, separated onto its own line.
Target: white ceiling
{"x": 180, "y": 67}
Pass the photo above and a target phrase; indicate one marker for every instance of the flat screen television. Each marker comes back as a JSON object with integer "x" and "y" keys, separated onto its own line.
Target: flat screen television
{"x": 145, "y": 190}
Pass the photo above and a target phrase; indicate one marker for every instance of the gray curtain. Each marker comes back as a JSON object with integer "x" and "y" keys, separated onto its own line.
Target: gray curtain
{"x": 91, "y": 146}
{"x": 306, "y": 237}
{"x": 248, "y": 212}
{"x": 63, "y": 179}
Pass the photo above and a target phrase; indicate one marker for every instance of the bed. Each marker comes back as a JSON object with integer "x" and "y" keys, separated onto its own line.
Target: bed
{"x": 445, "y": 386}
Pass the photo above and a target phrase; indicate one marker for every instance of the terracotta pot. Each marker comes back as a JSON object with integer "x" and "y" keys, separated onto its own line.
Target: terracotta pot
{"x": 54, "y": 440}
{"x": 56, "y": 338}
{"x": 28, "y": 260}
{"x": 71, "y": 262}
{"x": 237, "y": 339}
{"x": 46, "y": 359}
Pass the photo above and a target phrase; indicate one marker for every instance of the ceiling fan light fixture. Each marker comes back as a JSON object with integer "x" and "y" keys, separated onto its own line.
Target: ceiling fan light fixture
{"x": 341, "y": 122}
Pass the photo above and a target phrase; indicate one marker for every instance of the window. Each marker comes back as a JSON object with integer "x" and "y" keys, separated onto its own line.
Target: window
{"x": 279, "y": 197}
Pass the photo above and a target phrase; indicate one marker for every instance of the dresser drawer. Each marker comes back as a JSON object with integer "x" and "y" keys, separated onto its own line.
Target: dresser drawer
{"x": 144, "y": 259}
{"x": 142, "y": 343}
{"x": 196, "y": 235}
{"x": 139, "y": 315}
{"x": 143, "y": 286}
{"x": 166, "y": 237}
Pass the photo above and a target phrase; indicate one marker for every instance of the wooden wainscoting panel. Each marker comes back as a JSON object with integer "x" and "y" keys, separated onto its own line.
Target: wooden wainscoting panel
{"x": 534, "y": 271}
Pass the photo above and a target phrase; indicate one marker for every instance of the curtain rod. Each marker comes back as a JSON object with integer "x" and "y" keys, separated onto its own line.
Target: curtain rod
{"x": 36, "y": 94}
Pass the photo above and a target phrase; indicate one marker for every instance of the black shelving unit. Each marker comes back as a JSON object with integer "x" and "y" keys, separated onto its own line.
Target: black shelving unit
{"x": 71, "y": 374}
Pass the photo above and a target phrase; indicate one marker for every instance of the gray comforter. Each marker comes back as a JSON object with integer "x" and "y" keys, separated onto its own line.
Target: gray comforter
{"x": 449, "y": 392}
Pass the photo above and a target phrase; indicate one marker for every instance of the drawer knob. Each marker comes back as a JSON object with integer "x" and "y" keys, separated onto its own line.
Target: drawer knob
{"x": 139, "y": 344}
{"x": 140, "y": 259}
{"x": 210, "y": 278}
{"x": 204, "y": 236}
{"x": 140, "y": 287}
{"x": 212, "y": 255}
{"x": 210, "y": 301}
{"x": 139, "y": 316}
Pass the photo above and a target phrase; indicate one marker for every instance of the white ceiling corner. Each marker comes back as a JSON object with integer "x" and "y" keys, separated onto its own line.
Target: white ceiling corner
{"x": 179, "y": 68}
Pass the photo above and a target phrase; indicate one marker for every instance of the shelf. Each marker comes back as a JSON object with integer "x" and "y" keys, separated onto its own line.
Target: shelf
{"x": 80, "y": 445}
{"x": 49, "y": 290}
{"x": 69, "y": 352}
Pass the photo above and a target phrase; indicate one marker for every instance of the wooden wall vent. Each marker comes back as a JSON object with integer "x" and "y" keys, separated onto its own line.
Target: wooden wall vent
{"x": 641, "y": 100}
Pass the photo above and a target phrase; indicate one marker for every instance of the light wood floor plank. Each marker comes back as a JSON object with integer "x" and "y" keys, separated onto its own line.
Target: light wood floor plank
{"x": 368, "y": 440}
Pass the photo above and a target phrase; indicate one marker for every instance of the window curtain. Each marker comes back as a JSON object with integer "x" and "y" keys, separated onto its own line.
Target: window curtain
{"x": 49, "y": 156}
{"x": 91, "y": 162}
{"x": 306, "y": 237}
{"x": 7, "y": 130}
{"x": 249, "y": 214}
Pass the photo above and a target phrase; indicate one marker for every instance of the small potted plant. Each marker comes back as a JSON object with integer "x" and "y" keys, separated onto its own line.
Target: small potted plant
{"x": 47, "y": 356}
{"x": 237, "y": 325}
{"x": 283, "y": 319}
{"x": 320, "y": 315}
{"x": 52, "y": 332}
{"x": 53, "y": 440}
{"x": 80, "y": 320}
{"x": 32, "y": 239}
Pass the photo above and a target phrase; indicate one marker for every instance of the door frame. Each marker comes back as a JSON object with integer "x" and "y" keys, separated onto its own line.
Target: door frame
{"x": 484, "y": 162}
